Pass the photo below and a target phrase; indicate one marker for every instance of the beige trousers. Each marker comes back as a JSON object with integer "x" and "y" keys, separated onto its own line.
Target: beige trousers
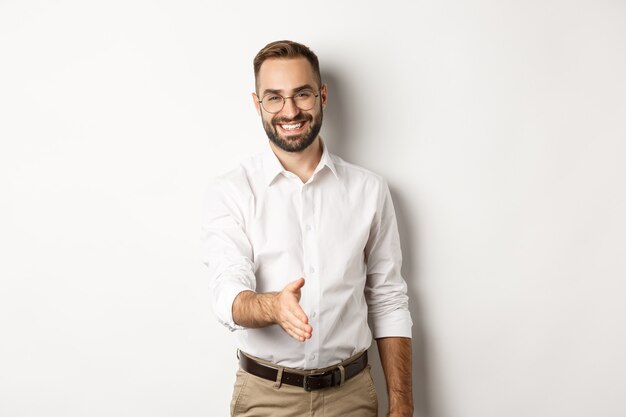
{"x": 258, "y": 397}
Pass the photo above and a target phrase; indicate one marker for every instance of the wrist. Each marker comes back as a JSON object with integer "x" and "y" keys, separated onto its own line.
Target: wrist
{"x": 271, "y": 307}
{"x": 401, "y": 412}
{"x": 400, "y": 407}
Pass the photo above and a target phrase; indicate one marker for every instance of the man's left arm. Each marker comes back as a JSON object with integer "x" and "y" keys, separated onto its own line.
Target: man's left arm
{"x": 388, "y": 305}
{"x": 395, "y": 357}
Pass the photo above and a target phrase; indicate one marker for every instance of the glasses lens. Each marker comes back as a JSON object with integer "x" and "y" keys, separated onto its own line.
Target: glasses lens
{"x": 305, "y": 99}
{"x": 272, "y": 103}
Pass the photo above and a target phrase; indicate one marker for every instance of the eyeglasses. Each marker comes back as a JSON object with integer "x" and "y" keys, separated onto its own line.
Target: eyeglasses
{"x": 274, "y": 103}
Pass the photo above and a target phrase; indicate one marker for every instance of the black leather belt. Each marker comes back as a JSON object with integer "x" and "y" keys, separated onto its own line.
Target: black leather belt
{"x": 310, "y": 382}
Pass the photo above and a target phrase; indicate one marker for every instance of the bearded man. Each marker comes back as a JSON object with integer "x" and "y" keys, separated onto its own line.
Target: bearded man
{"x": 302, "y": 249}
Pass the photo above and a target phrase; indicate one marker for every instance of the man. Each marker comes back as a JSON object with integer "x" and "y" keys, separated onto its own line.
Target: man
{"x": 302, "y": 248}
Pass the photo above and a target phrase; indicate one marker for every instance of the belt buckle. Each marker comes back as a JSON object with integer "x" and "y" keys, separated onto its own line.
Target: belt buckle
{"x": 318, "y": 376}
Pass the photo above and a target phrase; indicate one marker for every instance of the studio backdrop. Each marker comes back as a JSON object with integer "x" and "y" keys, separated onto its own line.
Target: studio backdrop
{"x": 499, "y": 126}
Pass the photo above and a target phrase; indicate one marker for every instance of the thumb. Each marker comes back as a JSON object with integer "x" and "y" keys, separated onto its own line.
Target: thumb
{"x": 295, "y": 285}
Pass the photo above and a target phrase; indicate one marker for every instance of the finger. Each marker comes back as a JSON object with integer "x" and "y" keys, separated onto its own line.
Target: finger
{"x": 295, "y": 332}
{"x": 290, "y": 332}
{"x": 297, "y": 312}
{"x": 295, "y": 336}
{"x": 291, "y": 307}
{"x": 294, "y": 324}
{"x": 301, "y": 327}
{"x": 299, "y": 319}
{"x": 295, "y": 285}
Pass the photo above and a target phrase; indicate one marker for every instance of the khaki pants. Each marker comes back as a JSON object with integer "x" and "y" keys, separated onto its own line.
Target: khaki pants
{"x": 258, "y": 397}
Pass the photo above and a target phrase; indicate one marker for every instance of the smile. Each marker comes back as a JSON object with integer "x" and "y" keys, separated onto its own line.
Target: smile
{"x": 292, "y": 127}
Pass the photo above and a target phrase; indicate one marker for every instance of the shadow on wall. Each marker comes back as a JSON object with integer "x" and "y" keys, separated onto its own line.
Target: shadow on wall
{"x": 338, "y": 122}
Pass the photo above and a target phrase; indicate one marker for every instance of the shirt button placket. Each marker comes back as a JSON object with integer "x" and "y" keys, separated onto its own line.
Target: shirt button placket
{"x": 312, "y": 280}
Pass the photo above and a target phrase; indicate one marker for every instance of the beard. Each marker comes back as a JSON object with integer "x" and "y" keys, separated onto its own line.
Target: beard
{"x": 294, "y": 143}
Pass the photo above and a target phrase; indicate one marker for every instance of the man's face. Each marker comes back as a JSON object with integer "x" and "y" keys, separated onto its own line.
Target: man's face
{"x": 291, "y": 129}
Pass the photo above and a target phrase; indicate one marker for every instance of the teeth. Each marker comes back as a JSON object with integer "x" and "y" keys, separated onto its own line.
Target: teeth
{"x": 291, "y": 127}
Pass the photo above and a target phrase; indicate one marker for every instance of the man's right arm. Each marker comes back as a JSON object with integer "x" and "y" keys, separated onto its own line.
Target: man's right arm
{"x": 255, "y": 310}
{"x": 228, "y": 254}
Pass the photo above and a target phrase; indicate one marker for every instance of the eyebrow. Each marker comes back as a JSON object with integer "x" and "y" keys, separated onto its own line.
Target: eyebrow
{"x": 295, "y": 90}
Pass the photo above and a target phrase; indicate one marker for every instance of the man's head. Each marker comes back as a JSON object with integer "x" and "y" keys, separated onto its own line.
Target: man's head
{"x": 286, "y": 50}
{"x": 290, "y": 96}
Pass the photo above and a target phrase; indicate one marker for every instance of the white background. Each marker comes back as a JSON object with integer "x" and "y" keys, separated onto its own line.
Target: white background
{"x": 500, "y": 126}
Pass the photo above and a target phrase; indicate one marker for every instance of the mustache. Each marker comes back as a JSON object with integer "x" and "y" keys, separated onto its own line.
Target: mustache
{"x": 283, "y": 120}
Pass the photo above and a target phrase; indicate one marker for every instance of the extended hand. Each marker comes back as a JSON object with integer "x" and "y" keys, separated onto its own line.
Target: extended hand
{"x": 289, "y": 315}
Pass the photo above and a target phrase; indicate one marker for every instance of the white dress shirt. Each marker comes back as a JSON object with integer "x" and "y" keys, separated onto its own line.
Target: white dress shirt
{"x": 264, "y": 228}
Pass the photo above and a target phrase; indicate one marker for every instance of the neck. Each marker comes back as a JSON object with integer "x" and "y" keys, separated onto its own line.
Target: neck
{"x": 302, "y": 163}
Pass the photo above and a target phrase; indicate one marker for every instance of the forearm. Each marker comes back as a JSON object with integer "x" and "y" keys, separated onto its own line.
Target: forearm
{"x": 254, "y": 310}
{"x": 259, "y": 310}
{"x": 396, "y": 359}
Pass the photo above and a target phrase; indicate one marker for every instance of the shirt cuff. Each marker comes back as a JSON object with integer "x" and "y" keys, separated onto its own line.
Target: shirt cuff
{"x": 397, "y": 323}
{"x": 224, "y": 305}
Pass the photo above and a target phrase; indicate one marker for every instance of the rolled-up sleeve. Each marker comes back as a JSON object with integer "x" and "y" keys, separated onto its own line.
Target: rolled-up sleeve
{"x": 226, "y": 250}
{"x": 385, "y": 289}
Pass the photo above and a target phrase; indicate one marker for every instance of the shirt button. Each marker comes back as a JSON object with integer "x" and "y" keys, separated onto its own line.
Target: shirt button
{"x": 313, "y": 357}
{"x": 312, "y": 270}
{"x": 308, "y": 227}
{"x": 313, "y": 314}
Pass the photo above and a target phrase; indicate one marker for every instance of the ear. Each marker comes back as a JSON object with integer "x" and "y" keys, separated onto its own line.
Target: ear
{"x": 324, "y": 94}
{"x": 257, "y": 106}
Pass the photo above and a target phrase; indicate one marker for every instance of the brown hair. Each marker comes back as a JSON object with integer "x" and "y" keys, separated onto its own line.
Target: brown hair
{"x": 286, "y": 49}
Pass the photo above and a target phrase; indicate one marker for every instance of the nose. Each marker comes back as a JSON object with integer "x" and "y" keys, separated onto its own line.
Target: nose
{"x": 290, "y": 109}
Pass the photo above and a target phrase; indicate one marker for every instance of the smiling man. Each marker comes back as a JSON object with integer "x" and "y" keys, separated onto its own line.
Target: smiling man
{"x": 302, "y": 249}
{"x": 292, "y": 127}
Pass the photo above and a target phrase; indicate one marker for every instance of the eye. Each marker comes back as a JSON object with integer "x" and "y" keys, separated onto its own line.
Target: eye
{"x": 270, "y": 98}
{"x": 304, "y": 94}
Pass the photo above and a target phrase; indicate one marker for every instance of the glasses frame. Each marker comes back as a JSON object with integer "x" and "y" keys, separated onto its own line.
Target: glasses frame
{"x": 285, "y": 100}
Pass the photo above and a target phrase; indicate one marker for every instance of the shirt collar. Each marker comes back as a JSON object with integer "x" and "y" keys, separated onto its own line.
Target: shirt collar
{"x": 272, "y": 166}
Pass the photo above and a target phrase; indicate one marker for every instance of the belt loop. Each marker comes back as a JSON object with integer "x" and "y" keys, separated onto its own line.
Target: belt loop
{"x": 342, "y": 371}
{"x": 279, "y": 377}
